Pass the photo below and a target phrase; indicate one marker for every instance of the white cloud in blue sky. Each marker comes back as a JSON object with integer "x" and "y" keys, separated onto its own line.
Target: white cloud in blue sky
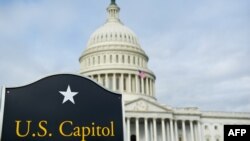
{"x": 199, "y": 50}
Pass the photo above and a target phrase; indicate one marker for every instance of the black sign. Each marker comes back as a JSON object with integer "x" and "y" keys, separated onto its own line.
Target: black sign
{"x": 236, "y": 132}
{"x": 62, "y": 107}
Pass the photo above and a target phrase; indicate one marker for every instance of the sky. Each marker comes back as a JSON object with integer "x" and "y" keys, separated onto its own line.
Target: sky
{"x": 199, "y": 50}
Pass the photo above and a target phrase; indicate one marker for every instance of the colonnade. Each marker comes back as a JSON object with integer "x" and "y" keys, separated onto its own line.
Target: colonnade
{"x": 162, "y": 129}
{"x": 124, "y": 82}
{"x": 114, "y": 58}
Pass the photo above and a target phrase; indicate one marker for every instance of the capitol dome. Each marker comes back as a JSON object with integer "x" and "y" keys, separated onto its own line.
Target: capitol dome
{"x": 114, "y": 58}
{"x": 114, "y": 32}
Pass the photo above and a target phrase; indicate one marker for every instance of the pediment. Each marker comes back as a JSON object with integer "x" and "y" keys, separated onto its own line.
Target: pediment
{"x": 144, "y": 105}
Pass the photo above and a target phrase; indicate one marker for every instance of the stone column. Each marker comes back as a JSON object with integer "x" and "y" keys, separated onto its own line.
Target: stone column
{"x": 121, "y": 83}
{"x": 150, "y": 85}
{"x": 114, "y": 82}
{"x": 168, "y": 131}
{"x": 146, "y": 129}
{"x": 153, "y": 88}
{"x": 151, "y": 130}
{"x": 176, "y": 130}
{"x": 136, "y": 84}
{"x": 128, "y": 129}
{"x": 99, "y": 79}
{"x": 129, "y": 83}
{"x": 199, "y": 130}
{"x": 142, "y": 85}
{"x": 196, "y": 132}
{"x": 106, "y": 81}
{"x": 183, "y": 131}
{"x": 171, "y": 130}
{"x": 137, "y": 128}
{"x": 191, "y": 130}
{"x": 163, "y": 130}
{"x": 147, "y": 86}
{"x": 155, "y": 129}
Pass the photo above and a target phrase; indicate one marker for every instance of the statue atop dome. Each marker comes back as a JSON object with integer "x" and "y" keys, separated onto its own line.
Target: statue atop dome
{"x": 113, "y": 2}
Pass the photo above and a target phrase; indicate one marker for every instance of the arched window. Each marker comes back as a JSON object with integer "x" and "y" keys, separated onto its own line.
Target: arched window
{"x": 215, "y": 127}
{"x": 217, "y": 138}
{"x": 207, "y": 138}
{"x": 206, "y": 127}
{"x": 133, "y": 138}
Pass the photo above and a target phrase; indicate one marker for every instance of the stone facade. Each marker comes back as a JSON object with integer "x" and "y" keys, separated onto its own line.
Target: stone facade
{"x": 114, "y": 58}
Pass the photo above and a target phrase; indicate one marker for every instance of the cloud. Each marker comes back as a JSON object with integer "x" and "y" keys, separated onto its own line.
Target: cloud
{"x": 35, "y": 40}
{"x": 205, "y": 59}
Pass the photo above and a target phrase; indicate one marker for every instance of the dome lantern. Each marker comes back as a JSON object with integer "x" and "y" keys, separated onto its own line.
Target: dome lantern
{"x": 113, "y": 12}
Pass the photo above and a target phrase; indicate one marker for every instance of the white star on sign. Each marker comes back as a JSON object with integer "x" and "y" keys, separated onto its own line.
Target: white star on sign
{"x": 68, "y": 95}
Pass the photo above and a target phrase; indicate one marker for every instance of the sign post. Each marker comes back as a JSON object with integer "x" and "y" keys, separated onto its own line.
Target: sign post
{"x": 61, "y": 107}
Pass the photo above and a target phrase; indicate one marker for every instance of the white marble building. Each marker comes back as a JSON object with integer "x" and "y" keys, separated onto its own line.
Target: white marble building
{"x": 114, "y": 57}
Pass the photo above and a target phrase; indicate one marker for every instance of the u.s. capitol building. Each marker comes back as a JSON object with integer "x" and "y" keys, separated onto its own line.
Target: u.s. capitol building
{"x": 115, "y": 59}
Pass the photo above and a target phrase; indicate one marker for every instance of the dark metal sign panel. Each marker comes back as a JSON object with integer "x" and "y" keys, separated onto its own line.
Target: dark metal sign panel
{"x": 62, "y": 107}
